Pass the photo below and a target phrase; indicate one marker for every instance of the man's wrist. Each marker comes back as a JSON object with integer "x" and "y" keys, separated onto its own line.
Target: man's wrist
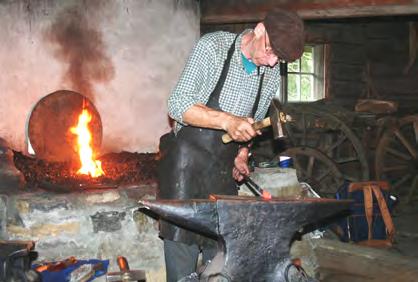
{"x": 243, "y": 151}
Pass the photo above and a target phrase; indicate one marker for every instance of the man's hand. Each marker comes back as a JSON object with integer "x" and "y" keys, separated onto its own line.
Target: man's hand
{"x": 240, "y": 128}
{"x": 241, "y": 164}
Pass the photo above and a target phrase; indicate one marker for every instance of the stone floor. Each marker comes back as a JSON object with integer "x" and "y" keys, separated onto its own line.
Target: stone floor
{"x": 330, "y": 260}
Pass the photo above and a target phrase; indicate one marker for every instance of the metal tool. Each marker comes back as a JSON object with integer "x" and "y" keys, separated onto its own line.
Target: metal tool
{"x": 125, "y": 273}
{"x": 276, "y": 119}
{"x": 254, "y": 236}
{"x": 56, "y": 266}
{"x": 15, "y": 261}
{"x": 256, "y": 189}
{"x": 86, "y": 272}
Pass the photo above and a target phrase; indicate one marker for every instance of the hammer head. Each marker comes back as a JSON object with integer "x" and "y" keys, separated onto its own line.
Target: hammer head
{"x": 277, "y": 119}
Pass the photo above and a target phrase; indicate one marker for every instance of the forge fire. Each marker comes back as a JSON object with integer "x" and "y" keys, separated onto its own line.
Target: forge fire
{"x": 89, "y": 165}
{"x": 66, "y": 147}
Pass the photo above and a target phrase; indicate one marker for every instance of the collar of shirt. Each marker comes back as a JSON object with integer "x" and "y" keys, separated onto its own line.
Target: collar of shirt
{"x": 248, "y": 65}
{"x": 238, "y": 58}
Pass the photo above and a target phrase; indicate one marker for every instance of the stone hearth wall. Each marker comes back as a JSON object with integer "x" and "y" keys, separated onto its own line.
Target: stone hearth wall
{"x": 99, "y": 224}
{"x": 89, "y": 224}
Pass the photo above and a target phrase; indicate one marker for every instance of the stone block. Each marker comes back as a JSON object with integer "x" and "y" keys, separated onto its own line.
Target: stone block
{"x": 105, "y": 197}
{"x": 43, "y": 231}
{"x": 280, "y": 182}
{"x": 107, "y": 221}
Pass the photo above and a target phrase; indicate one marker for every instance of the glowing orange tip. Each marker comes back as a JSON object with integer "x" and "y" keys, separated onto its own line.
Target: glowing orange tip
{"x": 266, "y": 195}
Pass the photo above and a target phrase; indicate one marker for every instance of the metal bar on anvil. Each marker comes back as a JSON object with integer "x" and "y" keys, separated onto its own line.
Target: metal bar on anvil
{"x": 254, "y": 235}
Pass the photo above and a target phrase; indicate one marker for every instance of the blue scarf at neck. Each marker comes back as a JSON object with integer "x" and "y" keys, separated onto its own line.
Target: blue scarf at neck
{"x": 248, "y": 65}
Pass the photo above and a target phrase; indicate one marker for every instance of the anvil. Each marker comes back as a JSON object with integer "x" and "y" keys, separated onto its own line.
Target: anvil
{"x": 254, "y": 235}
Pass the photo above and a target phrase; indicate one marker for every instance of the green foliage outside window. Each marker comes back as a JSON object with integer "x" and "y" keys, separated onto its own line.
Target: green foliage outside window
{"x": 301, "y": 77}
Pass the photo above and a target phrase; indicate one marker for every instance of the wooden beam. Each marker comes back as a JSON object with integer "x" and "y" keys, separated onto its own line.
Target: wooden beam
{"x": 235, "y": 11}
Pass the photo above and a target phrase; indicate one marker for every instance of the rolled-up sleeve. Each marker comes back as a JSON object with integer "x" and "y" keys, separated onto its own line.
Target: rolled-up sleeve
{"x": 188, "y": 89}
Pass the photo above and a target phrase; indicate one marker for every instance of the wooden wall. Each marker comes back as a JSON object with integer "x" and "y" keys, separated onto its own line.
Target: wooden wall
{"x": 367, "y": 55}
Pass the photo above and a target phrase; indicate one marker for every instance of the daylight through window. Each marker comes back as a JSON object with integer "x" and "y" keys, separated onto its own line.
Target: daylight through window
{"x": 305, "y": 76}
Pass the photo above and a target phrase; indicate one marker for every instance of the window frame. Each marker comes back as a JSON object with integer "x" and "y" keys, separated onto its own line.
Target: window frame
{"x": 319, "y": 74}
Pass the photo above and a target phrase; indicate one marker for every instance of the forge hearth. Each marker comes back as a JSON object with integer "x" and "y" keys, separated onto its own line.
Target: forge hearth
{"x": 65, "y": 134}
{"x": 121, "y": 169}
{"x": 85, "y": 223}
{"x": 93, "y": 223}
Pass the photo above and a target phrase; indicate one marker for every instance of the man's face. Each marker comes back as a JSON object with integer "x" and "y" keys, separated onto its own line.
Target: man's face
{"x": 263, "y": 54}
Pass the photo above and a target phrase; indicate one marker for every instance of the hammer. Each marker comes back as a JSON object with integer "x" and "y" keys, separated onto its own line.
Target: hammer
{"x": 125, "y": 273}
{"x": 276, "y": 119}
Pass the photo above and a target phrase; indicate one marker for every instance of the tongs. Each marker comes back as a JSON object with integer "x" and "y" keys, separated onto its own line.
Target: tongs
{"x": 256, "y": 189}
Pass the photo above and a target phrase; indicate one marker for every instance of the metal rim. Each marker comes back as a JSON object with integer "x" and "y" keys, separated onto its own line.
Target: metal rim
{"x": 50, "y": 120}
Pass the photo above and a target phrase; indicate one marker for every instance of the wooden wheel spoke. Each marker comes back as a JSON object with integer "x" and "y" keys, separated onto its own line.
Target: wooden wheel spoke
{"x": 397, "y": 153}
{"x": 395, "y": 168}
{"x": 311, "y": 163}
{"x": 413, "y": 187}
{"x": 401, "y": 181}
{"x": 324, "y": 174}
{"x": 315, "y": 168}
{"x": 339, "y": 141}
{"x": 346, "y": 160}
{"x": 406, "y": 143}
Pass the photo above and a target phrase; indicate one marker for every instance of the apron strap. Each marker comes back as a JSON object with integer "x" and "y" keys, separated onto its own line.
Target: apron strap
{"x": 213, "y": 101}
{"x": 257, "y": 99}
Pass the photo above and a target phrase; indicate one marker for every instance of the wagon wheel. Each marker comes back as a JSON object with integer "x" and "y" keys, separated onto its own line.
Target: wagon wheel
{"x": 397, "y": 156}
{"x": 316, "y": 169}
{"x": 315, "y": 128}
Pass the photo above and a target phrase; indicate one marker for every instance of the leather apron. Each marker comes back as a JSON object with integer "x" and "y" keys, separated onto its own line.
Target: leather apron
{"x": 195, "y": 163}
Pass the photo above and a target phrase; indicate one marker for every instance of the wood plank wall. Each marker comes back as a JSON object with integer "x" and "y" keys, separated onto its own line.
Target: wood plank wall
{"x": 364, "y": 54}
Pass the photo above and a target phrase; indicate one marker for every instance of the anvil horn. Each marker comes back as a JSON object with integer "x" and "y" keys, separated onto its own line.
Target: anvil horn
{"x": 196, "y": 215}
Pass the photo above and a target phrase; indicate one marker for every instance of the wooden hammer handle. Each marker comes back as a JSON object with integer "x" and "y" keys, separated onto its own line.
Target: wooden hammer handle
{"x": 257, "y": 125}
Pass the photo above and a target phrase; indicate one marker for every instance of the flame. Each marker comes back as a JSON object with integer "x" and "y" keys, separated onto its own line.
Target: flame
{"x": 89, "y": 166}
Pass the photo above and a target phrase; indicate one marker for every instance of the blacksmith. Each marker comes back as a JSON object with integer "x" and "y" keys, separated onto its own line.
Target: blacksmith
{"x": 227, "y": 84}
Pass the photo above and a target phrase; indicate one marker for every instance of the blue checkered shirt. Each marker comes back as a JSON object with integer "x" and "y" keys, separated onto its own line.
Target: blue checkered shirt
{"x": 203, "y": 70}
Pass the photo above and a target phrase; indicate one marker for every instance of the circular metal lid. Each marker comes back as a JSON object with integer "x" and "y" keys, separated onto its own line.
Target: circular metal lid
{"x": 50, "y": 123}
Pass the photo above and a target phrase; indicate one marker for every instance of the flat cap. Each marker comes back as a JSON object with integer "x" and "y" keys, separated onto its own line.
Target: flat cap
{"x": 286, "y": 33}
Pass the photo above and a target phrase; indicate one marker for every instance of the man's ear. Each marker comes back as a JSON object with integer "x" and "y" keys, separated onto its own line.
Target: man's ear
{"x": 259, "y": 30}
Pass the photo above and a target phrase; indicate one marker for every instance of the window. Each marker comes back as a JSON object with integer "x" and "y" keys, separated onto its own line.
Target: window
{"x": 306, "y": 76}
